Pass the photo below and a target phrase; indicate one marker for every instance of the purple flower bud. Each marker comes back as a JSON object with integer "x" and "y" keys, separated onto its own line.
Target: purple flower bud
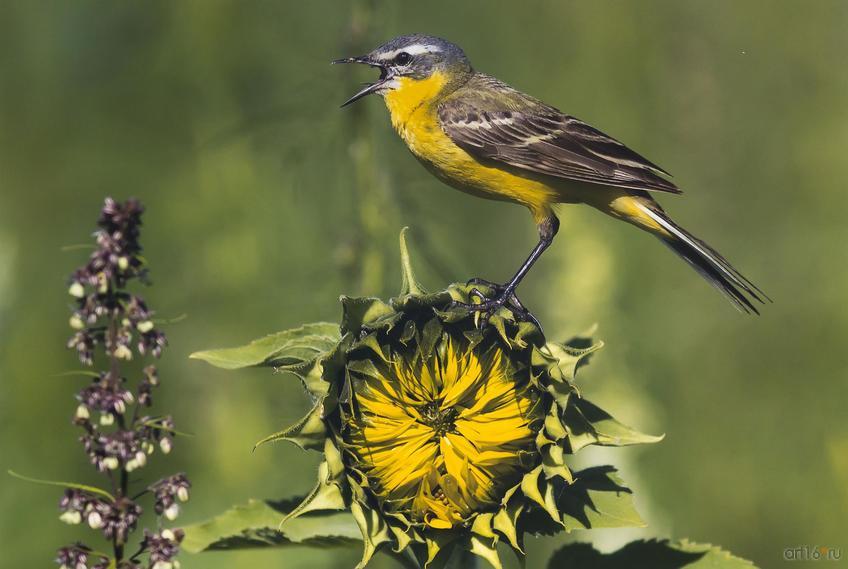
{"x": 167, "y": 491}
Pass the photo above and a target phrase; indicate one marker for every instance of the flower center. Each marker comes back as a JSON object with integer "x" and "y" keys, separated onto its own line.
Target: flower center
{"x": 441, "y": 437}
{"x": 442, "y": 421}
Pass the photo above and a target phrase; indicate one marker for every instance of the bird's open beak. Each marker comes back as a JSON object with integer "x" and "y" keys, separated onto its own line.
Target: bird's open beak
{"x": 371, "y": 87}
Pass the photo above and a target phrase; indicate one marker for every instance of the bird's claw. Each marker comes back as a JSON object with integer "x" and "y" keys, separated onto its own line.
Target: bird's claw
{"x": 488, "y": 305}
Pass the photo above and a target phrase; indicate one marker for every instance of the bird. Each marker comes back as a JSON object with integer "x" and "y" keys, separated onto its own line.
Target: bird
{"x": 481, "y": 136}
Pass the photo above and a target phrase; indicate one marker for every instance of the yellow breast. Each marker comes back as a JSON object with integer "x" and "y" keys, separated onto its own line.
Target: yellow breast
{"x": 414, "y": 114}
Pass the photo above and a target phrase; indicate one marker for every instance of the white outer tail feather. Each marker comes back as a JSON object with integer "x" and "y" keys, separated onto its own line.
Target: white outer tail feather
{"x": 728, "y": 280}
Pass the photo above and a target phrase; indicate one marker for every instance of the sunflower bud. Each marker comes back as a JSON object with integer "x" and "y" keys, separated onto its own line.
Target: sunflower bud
{"x": 442, "y": 418}
{"x": 440, "y": 434}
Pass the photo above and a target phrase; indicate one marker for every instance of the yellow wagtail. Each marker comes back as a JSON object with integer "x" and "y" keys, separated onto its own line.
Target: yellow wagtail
{"x": 485, "y": 138}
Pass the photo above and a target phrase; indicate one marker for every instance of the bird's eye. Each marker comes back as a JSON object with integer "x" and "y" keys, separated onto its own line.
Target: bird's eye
{"x": 403, "y": 58}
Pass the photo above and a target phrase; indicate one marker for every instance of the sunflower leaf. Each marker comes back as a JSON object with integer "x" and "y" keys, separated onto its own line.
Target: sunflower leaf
{"x": 654, "y": 553}
{"x": 289, "y": 347}
{"x": 257, "y": 524}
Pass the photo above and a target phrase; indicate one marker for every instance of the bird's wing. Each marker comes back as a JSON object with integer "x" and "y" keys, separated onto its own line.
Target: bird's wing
{"x": 511, "y": 128}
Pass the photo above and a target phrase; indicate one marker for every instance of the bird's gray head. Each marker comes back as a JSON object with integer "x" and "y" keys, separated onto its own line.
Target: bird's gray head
{"x": 415, "y": 56}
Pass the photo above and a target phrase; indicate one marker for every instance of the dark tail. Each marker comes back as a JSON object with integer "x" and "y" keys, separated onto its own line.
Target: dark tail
{"x": 708, "y": 262}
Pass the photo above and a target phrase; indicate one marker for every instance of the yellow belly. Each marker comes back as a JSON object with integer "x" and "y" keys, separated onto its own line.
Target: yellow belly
{"x": 415, "y": 119}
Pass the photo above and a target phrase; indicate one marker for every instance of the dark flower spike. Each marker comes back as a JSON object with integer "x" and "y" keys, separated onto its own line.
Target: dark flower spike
{"x": 118, "y": 439}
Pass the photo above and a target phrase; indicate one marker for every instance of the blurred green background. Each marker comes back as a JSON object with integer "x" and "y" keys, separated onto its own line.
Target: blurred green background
{"x": 265, "y": 202}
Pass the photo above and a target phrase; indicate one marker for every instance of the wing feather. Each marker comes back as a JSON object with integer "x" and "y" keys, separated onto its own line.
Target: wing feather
{"x": 539, "y": 138}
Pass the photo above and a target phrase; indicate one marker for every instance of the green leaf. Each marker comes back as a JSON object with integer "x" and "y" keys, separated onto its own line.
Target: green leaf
{"x": 61, "y": 484}
{"x": 257, "y": 524}
{"x": 588, "y": 424}
{"x": 283, "y": 348}
{"x": 651, "y": 554}
{"x": 597, "y": 499}
{"x": 81, "y": 372}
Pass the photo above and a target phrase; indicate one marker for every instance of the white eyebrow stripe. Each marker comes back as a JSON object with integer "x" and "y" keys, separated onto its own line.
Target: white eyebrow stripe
{"x": 414, "y": 49}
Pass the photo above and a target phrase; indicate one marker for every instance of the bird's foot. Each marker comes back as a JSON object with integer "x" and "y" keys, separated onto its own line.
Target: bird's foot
{"x": 501, "y": 295}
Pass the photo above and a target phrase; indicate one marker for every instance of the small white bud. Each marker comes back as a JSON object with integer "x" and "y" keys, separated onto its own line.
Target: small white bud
{"x": 71, "y": 517}
{"x": 123, "y": 263}
{"x": 125, "y": 322}
{"x": 95, "y": 521}
{"x": 163, "y": 565}
{"x": 148, "y": 447}
{"x": 102, "y": 283}
{"x": 182, "y": 494}
{"x": 169, "y": 535}
{"x": 144, "y": 326}
{"x": 111, "y": 463}
{"x": 76, "y": 322}
{"x": 107, "y": 419}
{"x": 82, "y": 412}
{"x": 120, "y": 407}
{"x": 76, "y": 290}
{"x": 165, "y": 445}
{"x": 122, "y": 353}
{"x": 141, "y": 458}
{"x": 128, "y": 398}
{"x": 172, "y": 511}
{"x": 176, "y": 563}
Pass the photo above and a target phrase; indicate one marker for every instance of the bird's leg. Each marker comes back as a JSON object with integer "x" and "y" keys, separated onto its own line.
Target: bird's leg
{"x": 505, "y": 294}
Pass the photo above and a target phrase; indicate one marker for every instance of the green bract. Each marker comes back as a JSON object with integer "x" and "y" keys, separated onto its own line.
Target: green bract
{"x": 482, "y": 421}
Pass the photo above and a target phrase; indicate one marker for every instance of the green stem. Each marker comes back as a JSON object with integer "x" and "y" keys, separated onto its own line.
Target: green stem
{"x": 117, "y": 545}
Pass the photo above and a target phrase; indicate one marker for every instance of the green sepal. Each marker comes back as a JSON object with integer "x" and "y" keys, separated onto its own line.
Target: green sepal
{"x": 572, "y": 354}
{"x": 365, "y": 312}
{"x": 283, "y": 348}
{"x": 537, "y": 488}
{"x": 371, "y": 342}
{"x": 409, "y": 284}
{"x": 311, "y": 375}
{"x": 486, "y": 549}
{"x": 373, "y": 528}
{"x": 483, "y": 525}
{"x": 438, "y": 550}
{"x": 553, "y": 463}
{"x": 588, "y": 424}
{"x": 309, "y": 433}
{"x": 327, "y": 495}
{"x": 506, "y": 522}
{"x": 332, "y": 491}
{"x": 401, "y": 530}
